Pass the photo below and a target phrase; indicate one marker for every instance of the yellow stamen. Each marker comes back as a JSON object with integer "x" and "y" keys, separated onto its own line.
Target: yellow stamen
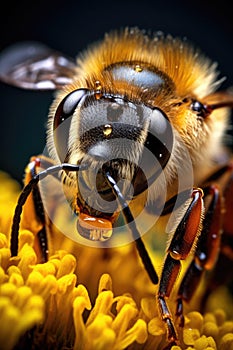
{"x": 53, "y": 299}
{"x": 103, "y": 305}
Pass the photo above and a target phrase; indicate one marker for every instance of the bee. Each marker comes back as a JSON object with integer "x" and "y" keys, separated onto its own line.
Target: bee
{"x": 136, "y": 127}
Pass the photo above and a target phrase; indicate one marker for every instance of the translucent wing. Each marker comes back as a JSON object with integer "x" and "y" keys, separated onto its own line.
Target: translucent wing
{"x": 34, "y": 66}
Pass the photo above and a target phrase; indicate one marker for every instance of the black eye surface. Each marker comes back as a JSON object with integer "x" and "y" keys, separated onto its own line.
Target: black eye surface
{"x": 157, "y": 150}
{"x": 160, "y": 136}
{"x": 202, "y": 110}
{"x": 68, "y": 105}
{"x": 62, "y": 120}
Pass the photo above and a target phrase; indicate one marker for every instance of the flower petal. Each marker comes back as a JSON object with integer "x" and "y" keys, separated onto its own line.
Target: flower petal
{"x": 226, "y": 342}
{"x": 190, "y": 335}
{"x": 123, "y": 318}
{"x": 67, "y": 266}
{"x": 100, "y": 335}
{"x": 103, "y": 305}
{"x": 156, "y": 327}
{"x": 136, "y": 333}
{"x": 105, "y": 283}
{"x": 80, "y": 303}
{"x": 204, "y": 343}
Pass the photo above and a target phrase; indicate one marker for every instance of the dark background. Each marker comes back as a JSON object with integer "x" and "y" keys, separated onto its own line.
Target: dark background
{"x": 69, "y": 26}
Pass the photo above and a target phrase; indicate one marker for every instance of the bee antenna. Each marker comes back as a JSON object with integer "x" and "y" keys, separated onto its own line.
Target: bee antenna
{"x": 25, "y": 193}
{"x": 218, "y": 100}
{"x": 135, "y": 233}
{"x": 221, "y": 104}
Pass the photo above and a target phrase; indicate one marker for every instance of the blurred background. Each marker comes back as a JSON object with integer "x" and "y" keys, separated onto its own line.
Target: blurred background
{"x": 70, "y": 26}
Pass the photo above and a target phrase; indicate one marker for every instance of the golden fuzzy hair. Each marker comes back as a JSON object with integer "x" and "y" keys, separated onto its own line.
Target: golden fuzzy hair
{"x": 193, "y": 75}
{"x": 190, "y": 71}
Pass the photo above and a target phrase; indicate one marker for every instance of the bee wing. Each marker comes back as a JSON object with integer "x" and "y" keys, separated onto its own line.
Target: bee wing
{"x": 34, "y": 66}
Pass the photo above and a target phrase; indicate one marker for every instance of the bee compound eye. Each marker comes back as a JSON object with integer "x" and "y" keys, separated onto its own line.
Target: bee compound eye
{"x": 160, "y": 136}
{"x": 68, "y": 105}
{"x": 62, "y": 120}
{"x": 156, "y": 151}
{"x": 199, "y": 108}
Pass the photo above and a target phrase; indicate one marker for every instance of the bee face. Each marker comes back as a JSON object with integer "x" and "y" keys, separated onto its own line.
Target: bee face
{"x": 108, "y": 131}
{"x": 162, "y": 73}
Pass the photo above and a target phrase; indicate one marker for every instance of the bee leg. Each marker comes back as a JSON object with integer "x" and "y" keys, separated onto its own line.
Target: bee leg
{"x": 221, "y": 273}
{"x": 207, "y": 249}
{"x": 38, "y": 208}
{"x": 179, "y": 248}
{"x": 135, "y": 233}
{"x": 227, "y": 238}
{"x": 226, "y": 251}
{"x": 33, "y": 217}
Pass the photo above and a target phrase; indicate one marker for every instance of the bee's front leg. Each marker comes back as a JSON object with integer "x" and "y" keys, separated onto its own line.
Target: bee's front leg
{"x": 33, "y": 216}
{"x": 179, "y": 248}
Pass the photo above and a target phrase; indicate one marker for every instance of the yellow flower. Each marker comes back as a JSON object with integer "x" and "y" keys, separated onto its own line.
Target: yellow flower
{"x": 90, "y": 299}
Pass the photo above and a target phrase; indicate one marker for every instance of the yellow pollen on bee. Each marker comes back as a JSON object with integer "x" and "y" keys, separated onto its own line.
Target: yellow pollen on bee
{"x": 98, "y": 85}
{"x": 98, "y": 90}
{"x": 107, "y": 130}
{"x": 138, "y": 68}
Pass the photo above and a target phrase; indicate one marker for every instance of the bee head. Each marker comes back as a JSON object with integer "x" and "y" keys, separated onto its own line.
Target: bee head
{"x": 108, "y": 132}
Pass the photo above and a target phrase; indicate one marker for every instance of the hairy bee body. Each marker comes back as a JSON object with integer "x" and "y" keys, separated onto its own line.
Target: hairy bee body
{"x": 129, "y": 64}
{"x": 136, "y": 127}
{"x": 191, "y": 76}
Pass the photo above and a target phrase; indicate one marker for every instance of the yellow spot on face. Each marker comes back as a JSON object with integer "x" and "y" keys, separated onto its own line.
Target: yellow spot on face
{"x": 138, "y": 68}
{"x": 98, "y": 90}
{"x": 107, "y": 130}
{"x": 98, "y": 85}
